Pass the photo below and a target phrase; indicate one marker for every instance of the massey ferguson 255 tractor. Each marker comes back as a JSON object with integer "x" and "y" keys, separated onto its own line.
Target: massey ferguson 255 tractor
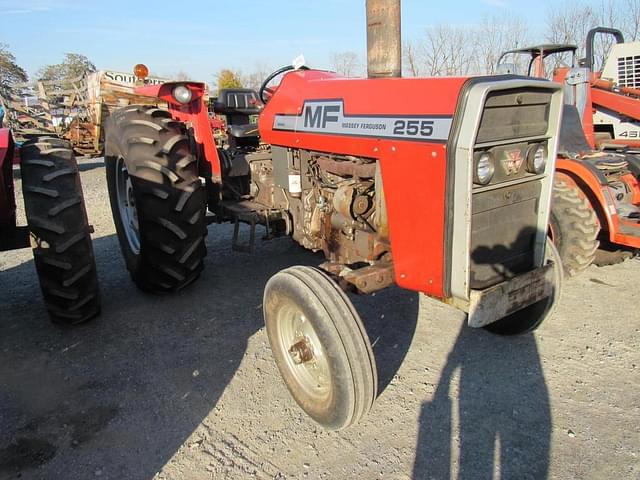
{"x": 596, "y": 199}
{"x": 439, "y": 185}
{"x": 57, "y": 228}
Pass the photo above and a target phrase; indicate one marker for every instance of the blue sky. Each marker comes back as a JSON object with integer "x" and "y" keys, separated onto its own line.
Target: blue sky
{"x": 200, "y": 38}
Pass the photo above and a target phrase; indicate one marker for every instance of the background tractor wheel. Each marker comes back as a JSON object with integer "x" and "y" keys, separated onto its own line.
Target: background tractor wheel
{"x": 530, "y": 318}
{"x": 60, "y": 232}
{"x": 320, "y": 346}
{"x": 157, "y": 198}
{"x": 573, "y": 227}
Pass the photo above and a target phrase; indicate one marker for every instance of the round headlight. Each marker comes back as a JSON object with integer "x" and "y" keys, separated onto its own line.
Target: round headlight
{"x": 182, "y": 94}
{"x": 484, "y": 169}
{"x": 537, "y": 158}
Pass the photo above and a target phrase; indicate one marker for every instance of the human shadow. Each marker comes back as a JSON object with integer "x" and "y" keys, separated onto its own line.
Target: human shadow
{"x": 490, "y": 414}
{"x": 119, "y": 396}
{"x": 498, "y": 417}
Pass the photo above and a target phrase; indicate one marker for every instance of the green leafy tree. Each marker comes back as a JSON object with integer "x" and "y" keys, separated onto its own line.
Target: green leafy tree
{"x": 74, "y": 65}
{"x": 10, "y": 71}
{"x": 229, "y": 79}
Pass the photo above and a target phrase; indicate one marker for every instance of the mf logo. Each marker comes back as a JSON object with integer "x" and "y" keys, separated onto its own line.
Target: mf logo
{"x": 317, "y": 116}
{"x": 513, "y": 161}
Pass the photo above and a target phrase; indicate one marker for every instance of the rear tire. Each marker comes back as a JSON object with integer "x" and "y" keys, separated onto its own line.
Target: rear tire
{"x": 320, "y": 346}
{"x": 573, "y": 227}
{"x": 157, "y": 198}
{"x": 60, "y": 232}
{"x": 529, "y": 318}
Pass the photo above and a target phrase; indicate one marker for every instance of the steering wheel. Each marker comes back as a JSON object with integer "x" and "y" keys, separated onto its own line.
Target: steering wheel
{"x": 264, "y": 89}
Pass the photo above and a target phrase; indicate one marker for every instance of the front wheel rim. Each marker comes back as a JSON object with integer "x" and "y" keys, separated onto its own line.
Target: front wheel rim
{"x": 127, "y": 206}
{"x": 304, "y": 355}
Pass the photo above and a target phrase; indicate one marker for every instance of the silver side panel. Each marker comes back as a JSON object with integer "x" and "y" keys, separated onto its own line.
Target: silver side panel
{"x": 463, "y": 178}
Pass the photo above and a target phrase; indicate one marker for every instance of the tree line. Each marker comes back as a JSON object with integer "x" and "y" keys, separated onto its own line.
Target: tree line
{"x": 440, "y": 50}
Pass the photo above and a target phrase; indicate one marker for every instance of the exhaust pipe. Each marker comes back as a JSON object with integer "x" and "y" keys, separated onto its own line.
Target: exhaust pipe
{"x": 384, "y": 46}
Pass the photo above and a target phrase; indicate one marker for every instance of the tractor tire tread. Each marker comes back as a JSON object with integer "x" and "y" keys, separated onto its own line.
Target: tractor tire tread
{"x": 575, "y": 227}
{"x": 170, "y": 197}
{"x": 57, "y": 219}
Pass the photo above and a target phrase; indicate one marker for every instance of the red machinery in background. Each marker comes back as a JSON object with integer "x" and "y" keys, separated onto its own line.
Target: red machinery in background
{"x": 597, "y": 190}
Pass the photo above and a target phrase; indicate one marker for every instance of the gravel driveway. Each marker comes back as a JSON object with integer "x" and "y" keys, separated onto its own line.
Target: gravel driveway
{"x": 184, "y": 386}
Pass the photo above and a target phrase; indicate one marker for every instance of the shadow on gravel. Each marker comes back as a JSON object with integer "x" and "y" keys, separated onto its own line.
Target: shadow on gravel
{"x": 390, "y": 317}
{"x": 119, "y": 396}
{"x": 501, "y": 410}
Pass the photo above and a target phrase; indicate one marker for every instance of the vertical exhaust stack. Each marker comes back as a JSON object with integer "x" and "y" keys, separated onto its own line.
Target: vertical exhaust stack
{"x": 384, "y": 46}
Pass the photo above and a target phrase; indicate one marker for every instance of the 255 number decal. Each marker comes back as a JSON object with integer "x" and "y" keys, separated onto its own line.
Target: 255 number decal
{"x": 421, "y": 128}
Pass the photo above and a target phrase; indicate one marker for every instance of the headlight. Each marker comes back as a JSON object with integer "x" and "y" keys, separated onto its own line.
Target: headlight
{"x": 484, "y": 168}
{"x": 537, "y": 158}
{"x": 182, "y": 94}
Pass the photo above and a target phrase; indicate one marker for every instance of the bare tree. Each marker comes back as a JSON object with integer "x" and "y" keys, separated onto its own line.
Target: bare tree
{"x": 570, "y": 22}
{"x": 630, "y": 21}
{"x": 254, "y": 79}
{"x": 493, "y": 36}
{"x": 347, "y": 64}
{"x": 412, "y": 60}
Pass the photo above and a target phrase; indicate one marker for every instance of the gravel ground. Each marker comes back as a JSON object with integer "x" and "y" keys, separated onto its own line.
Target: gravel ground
{"x": 184, "y": 386}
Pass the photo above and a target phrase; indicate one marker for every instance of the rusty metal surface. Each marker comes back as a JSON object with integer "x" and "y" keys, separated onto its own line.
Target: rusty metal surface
{"x": 344, "y": 167}
{"x": 371, "y": 279}
{"x": 493, "y": 303}
{"x": 384, "y": 46}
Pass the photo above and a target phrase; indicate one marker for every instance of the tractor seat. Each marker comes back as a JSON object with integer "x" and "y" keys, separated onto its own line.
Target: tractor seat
{"x": 238, "y": 104}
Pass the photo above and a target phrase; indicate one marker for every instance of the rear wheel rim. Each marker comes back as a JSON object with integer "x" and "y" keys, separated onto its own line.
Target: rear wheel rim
{"x": 305, "y": 357}
{"x": 127, "y": 206}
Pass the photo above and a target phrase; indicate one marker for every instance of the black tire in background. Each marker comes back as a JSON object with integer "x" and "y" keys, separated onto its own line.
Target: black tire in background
{"x": 531, "y": 317}
{"x": 573, "y": 227}
{"x": 157, "y": 199}
{"x": 60, "y": 232}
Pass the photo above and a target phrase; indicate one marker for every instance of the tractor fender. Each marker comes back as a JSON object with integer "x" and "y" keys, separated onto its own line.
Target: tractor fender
{"x": 7, "y": 197}
{"x": 195, "y": 113}
{"x": 6, "y": 145}
{"x": 594, "y": 186}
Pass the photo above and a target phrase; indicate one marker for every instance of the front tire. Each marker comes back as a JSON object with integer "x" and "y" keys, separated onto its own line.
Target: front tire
{"x": 529, "y": 318}
{"x": 573, "y": 227}
{"x": 320, "y": 346}
{"x": 60, "y": 232}
{"x": 157, "y": 198}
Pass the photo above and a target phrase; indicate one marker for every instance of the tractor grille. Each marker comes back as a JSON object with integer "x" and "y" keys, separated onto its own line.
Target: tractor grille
{"x": 629, "y": 71}
{"x": 505, "y": 212}
{"x": 514, "y": 114}
{"x": 503, "y": 230}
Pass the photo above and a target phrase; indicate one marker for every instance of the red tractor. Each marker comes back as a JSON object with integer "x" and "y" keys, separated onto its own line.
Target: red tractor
{"x": 57, "y": 228}
{"x": 334, "y": 170}
{"x": 596, "y": 201}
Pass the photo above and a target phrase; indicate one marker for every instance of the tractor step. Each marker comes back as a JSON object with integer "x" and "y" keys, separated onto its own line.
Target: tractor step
{"x": 252, "y": 214}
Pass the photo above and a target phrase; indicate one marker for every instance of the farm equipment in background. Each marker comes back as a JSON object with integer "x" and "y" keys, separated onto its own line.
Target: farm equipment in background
{"x": 595, "y": 215}
{"x": 72, "y": 109}
{"x": 443, "y": 188}
{"x": 57, "y": 227}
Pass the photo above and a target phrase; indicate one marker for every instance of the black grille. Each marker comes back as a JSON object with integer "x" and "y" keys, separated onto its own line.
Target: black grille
{"x": 503, "y": 230}
{"x": 512, "y": 114}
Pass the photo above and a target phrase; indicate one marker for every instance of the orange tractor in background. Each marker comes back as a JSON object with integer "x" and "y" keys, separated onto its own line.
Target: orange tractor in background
{"x": 595, "y": 215}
